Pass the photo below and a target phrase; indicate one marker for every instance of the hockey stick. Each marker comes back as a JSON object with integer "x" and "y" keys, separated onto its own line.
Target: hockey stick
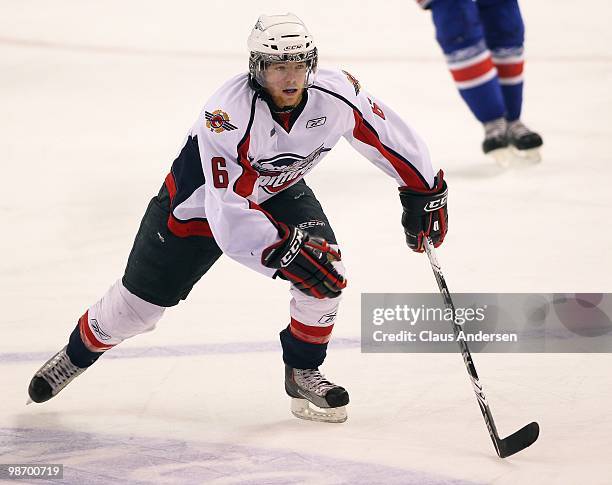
{"x": 517, "y": 441}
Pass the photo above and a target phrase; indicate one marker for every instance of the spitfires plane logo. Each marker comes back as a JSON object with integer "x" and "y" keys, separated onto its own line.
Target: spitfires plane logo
{"x": 286, "y": 162}
{"x": 277, "y": 173}
{"x": 218, "y": 121}
{"x": 353, "y": 81}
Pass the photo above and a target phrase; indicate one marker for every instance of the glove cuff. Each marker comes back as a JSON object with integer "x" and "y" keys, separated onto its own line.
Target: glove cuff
{"x": 419, "y": 202}
{"x": 283, "y": 252}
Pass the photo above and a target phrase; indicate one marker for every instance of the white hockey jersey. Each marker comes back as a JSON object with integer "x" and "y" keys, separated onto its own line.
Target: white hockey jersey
{"x": 239, "y": 154}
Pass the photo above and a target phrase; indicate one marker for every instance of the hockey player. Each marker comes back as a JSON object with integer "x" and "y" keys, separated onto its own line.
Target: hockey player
{"x": 483, "y": 44}
{"x": 237, "y": 188}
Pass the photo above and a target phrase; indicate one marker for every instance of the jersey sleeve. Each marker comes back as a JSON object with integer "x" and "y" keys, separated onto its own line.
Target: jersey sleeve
{"x": 383, "y": 137}
{"x": 241, "y": 228}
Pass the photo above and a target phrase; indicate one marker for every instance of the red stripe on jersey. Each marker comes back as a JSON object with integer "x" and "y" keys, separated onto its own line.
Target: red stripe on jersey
{"x": 365, "y": 134}
{"x": 88, "y": 337}
{"x": 253, "y": 205}
{"x": 246, "y": 182}
{"x": 170, "y": 185}
{"x": 188, "y": 228}
{"x": 474, "y": 71}
{"x": 437, "y": 184}
{"x": 509, "y": 70}
{"x": 310, "y": 334}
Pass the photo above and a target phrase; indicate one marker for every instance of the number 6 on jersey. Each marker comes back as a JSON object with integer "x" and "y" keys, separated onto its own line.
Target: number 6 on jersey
{"x": 220, "y": 176}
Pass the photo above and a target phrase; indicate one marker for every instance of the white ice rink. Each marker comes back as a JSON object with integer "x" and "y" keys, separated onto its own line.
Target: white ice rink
{"x": 95, "y": 99}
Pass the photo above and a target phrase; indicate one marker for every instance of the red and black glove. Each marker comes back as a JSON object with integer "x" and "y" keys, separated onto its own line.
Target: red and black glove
{"x": 425, "y": 214}
{"x": 306, "y": 262}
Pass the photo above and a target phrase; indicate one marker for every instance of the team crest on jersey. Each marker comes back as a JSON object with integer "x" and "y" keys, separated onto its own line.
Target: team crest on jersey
{"x": 218, "y": 121}
{"x": 279, "y": 172}
{"x": 353, "y": 81}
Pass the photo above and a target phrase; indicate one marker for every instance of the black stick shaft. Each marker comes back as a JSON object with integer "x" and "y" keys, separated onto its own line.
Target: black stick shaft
{"x": 465, "y": 351}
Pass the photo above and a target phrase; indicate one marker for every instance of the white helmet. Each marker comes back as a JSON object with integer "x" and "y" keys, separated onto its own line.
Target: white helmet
{"x": 280, "y": 38}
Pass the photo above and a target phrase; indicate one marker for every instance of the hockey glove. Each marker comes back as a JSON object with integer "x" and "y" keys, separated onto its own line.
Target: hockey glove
{"x": 306, "y": 262}
{"x": 425, "y": 214}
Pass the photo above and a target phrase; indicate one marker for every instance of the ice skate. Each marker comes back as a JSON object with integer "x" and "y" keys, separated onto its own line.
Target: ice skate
{"x": 524, "y": 142}
{"x": 309, "y": 388}
{"x": 53, "y": 376}
{"x": 495, "y": 143}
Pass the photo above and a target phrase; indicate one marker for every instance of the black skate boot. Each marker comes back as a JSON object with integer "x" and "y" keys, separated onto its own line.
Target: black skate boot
{"x": 310, "y": 386}
{"x": 525, "y": 143}
{"x": 53, "y": 376}
{"x": 495, "y": 136}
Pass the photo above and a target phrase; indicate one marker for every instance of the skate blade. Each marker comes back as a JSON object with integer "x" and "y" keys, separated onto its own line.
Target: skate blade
{"x": 527, "y": 156}
{"x": 303, "y": 409}
{"x": 502, "y": 156}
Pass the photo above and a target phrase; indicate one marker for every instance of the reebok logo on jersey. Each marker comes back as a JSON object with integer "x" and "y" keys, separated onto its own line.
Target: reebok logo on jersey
{"x": 316, "y": 122}
{"x": 218, "y": 121}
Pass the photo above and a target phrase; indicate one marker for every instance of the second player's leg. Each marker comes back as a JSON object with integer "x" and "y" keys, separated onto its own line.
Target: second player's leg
{"x": 461, "y": 37}
{"x": 505, "y": 34}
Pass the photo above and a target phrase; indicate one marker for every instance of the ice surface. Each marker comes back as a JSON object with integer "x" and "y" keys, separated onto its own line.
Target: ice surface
{"x": 95, "y": 99}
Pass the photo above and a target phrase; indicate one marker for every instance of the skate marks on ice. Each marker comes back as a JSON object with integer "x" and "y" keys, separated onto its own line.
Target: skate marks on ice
{"x": 177, "y": 350}
{"x": 101, "y": 459}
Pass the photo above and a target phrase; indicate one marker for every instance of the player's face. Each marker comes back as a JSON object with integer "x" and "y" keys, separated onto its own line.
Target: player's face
{"x": 285, "y": 82}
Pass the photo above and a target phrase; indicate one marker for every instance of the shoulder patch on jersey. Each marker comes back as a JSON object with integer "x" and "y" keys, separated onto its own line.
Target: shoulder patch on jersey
{"x": 353, "y": 81}
{"x": 218, "y": 121}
